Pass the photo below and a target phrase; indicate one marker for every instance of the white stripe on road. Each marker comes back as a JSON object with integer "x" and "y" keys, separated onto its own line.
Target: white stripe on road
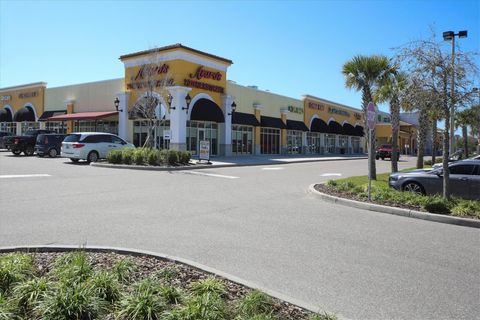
{"x": 331, "y": 175}
{"x": 24, "y": 176}
{"x": 274, "y": 168}
{"x": 209, "y": 174}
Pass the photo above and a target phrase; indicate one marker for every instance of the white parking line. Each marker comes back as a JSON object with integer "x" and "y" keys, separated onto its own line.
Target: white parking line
{"x": 209, "y": 174}
{"x": 274, "y": 168}
{"x": 331, "y": 175}
{"x": 10, "y": 176}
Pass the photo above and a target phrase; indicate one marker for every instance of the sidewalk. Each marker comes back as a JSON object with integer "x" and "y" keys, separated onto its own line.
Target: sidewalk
{"x": 242, "y": 161}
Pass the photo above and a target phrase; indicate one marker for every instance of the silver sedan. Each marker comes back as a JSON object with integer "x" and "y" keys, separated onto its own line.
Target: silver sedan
{"x": 464, "y": 180}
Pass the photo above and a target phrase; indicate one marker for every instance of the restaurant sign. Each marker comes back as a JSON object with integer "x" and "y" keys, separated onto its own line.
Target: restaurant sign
{"x": 6, "y": 98}
{"x": 144, "y": 77}
{"x": 202, "y": 73}
{"x": 316, "y": 106}
{"x": 295, "y": 109}
{"x": 25, "y": 95}
{"x": 338, "y": 111}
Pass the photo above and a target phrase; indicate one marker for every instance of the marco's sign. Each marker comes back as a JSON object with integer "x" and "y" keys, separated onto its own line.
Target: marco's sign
{"x": 202, "y": 73}
{"x": 144, "y": 77}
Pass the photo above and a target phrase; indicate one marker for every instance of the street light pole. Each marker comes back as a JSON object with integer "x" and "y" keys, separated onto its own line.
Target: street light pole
{"x": 450, "y": 35}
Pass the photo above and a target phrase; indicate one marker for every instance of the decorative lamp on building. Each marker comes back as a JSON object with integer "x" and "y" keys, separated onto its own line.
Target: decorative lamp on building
{"x": 234, "y": 107}
{"x": 188, "y": 99}
{"x": 116, "y": 102}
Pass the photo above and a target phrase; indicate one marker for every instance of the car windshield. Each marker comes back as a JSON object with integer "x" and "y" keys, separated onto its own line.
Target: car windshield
{"x": 72, "y": 138}
{"x": 30, "y": 133}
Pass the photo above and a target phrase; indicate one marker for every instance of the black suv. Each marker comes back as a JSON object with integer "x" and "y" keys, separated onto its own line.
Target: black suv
{"x": 49, "y": 144}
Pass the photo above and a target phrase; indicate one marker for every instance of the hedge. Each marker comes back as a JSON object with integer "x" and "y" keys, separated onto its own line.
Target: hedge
{"x": 149, "y": 157}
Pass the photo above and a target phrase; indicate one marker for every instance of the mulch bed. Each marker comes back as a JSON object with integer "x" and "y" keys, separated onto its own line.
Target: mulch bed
{"x": 148, "y": 266}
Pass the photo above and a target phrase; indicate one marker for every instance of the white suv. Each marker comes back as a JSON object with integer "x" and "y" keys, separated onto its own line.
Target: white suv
{"x": 91, "y": 146}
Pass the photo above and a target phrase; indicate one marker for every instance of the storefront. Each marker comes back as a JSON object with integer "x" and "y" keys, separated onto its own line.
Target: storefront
{"x": 174, "y": 97}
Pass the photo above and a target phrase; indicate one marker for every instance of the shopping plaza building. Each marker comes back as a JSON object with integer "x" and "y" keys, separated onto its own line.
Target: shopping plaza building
{"x": 194, "y": 102}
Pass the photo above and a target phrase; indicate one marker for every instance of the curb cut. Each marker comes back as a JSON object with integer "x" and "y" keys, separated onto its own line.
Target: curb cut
{"x": 395, "y": 211}
{"x": 213, "y": 166}
{"x": 195, "y": 265}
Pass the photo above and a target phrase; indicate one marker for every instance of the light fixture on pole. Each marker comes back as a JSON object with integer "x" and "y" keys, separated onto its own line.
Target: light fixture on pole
{"x": 447, "y": 36}
{"x": 188, "y": 99}
{"x": 116, "y": 102}
{"x": 234, "y": 107}
{"x": 169, "y": 101}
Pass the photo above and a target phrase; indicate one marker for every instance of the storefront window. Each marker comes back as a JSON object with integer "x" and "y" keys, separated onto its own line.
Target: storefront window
{"x": 330, "y": 143}
{"x": 140, "y": 134}
{"x": 356, "y": 144}
{"x": 314, "y": 142}
{"x": 57, "y": 126}
{"x": 242, "y": 139}
{"x": 343, "y": 144}
{"x": 30, "y": 126}
{"x": 270, "y": 141}
{"x": 9, "y": 127}
{"x": 96, "y": 126}
{"x": 294, "y": 142}
{"x": 202, "y": 130}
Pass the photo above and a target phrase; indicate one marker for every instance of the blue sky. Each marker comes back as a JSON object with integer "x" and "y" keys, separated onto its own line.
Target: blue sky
{"x": 288, "y": 47}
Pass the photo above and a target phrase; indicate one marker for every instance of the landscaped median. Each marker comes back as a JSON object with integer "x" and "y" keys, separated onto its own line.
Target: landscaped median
{"x": 355, "y": 190}
{"x": 149, "y": 157}
{"x": 103, "y": 284}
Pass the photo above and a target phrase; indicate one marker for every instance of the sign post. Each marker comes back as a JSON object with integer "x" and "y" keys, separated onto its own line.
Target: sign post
{"x": 371, "y": 117}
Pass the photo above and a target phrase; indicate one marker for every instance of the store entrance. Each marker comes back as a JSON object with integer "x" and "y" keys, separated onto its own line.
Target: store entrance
{"x": 202, "y": 130}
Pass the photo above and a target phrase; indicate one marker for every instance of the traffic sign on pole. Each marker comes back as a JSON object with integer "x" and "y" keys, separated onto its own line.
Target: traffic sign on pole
{"x": 371, "y": 116}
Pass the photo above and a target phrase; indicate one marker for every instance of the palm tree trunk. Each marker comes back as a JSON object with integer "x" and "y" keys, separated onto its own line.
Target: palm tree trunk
{"x": 366, "y": 99}
{"x": 446, "y": 143}
{"x": 395, "y": 113}
{"x": 465, "y": 141}
{"x": 422, "y": 137}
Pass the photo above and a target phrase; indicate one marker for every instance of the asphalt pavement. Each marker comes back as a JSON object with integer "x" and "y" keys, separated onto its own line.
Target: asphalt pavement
{"x": 258, "y": 223}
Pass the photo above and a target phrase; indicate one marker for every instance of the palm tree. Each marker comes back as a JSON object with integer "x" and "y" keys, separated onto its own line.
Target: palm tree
{"x": 364, "y": 73}
{"x": 391, "y": 91}
{"x": 465, "y": 118}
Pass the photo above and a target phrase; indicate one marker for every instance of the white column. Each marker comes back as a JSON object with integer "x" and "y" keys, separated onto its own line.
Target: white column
{"x": 304, "y": 143}
{"x": 226, "y": 133}
{"x": 123, "y": 115}
{"x": 178, "y": 117}
{"x": 349, "y": 145}
{"x": 18, "y": 128}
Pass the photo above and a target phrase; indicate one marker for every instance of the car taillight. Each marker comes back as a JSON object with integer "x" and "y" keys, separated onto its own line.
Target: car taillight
{"x": 16, "y": 141}
{"x": 46, "y": 140}
{"x": 77, "y": 145}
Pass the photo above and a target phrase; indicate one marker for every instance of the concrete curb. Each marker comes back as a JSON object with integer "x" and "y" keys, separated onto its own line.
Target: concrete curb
{"x": 396, "y": 211}
{"x": 212, "y": 166}
{"x": 135, "y": 252}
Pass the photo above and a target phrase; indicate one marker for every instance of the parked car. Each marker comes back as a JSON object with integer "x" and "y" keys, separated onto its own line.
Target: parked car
{"x": 25, "y": 143}
{"x": 385, "y": 151}
{"x": 456, "y": 156}
{"x": 464, "y": 180}
{"x": 49, "y": 144}
{"x": 91, "y": 146}
{"x": 4, "y": 134}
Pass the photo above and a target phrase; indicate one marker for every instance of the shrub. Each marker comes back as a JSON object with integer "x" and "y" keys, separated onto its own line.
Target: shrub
{"x": 171, "y": 295}
{"x": 123, "y": 269}
{"x": 332, "y": 183}
{"x": 207, "y": 306}
{"x": 143, "y": 303}
{"x": 73, "y": 267}
{"x": 105, "y": 286}
{"x": 465, "y": 208}
{"x": 172, "y": 157}
{"x": 29, "y": 293}
{"x": 162, "y": 157}
{"x": 127, "y": 156}
{"x": 208, "y": 285}
{"x": 437, "y": 204}
{"x": 152, "y": 157}
{"x": 14, "y": 268}
{"x": 139, "y": 156}
{"x": 6, "y": 308}
{"x": 254, "y": 303}
{"x": 323, "y": 316}
{"x": 184, "y": 157}
{"x": 114, "y": 156}
{"x": 71, "y": 301}
{"x": 168, "y": 273}
{"x": 345, "y": 186}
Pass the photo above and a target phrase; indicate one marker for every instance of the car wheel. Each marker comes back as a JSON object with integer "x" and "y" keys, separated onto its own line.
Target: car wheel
{"x": 414, "y": 188}
{"x": 92, "y": 156}
{"x": 52, "y": 153}
{"x": 377, "y": 157}
{"x": 16, "y": 152}
{"x": 74, "y": 160}
{"x": 29, "y": 151}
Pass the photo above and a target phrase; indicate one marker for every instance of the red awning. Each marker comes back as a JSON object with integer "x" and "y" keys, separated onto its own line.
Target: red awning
{"x": 83, "y": 116}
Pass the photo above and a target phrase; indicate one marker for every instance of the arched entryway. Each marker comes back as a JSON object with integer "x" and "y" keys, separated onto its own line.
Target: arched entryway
{"x": 6, "y": 115}
{"x": 205, "y": 118}
{"x": 26, "y": 113}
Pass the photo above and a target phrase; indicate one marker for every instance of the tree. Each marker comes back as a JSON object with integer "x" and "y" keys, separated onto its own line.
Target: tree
{"x": 390, "y": 91}
{"x": 365, "y": 73}
{"x": 464, "y": 119}
{"x": 154, "y": 79}
{"x": 431, "y": 66}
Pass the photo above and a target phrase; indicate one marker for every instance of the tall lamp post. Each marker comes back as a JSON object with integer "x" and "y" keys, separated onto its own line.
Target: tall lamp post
{"x": 477, "y": 90}
{"x": 447, "y": 36}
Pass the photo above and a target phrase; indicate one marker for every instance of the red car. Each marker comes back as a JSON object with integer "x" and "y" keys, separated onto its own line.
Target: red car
{"x": 385, "y": 151}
